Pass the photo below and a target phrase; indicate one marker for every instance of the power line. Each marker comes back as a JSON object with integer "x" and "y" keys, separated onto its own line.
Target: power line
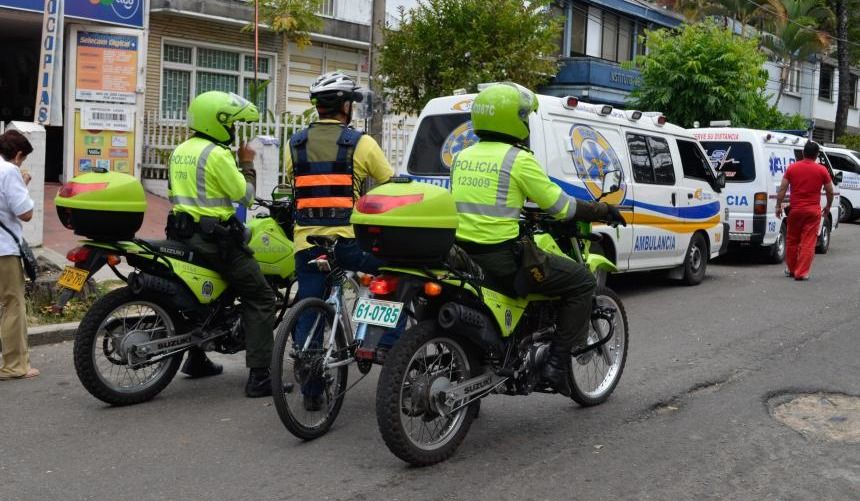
{"x": 802, "y": 26}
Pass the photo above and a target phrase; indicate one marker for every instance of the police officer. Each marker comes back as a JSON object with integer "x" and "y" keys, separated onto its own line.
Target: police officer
{"x": 491, "y": 181}
{"x": 328, "y": 164}
{"x": 204, "y": 181}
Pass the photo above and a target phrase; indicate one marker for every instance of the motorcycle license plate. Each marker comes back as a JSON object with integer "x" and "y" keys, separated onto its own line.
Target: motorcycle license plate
{"x": 73, "y": 278}
{"x": 377, "y": 312}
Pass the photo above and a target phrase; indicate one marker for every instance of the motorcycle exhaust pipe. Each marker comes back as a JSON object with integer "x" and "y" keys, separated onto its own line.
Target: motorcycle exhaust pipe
{"x": 471, "y": 324}
{"x": 140, "y": 282}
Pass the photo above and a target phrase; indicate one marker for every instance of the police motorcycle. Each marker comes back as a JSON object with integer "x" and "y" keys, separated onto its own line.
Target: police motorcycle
{"x": 130, "y": 343}
{"x": 467, "y": 341}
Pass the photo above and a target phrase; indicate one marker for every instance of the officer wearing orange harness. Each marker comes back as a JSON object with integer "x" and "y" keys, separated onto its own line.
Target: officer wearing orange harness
{"x": 328, "y": 164}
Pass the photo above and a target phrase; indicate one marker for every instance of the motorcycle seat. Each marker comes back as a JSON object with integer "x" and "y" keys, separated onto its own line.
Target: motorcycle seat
{"x": 178, "y": 250}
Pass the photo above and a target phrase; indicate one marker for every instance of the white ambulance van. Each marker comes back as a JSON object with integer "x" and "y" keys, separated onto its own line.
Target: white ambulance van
{"x": 754, "y": 162}
{"x": 669, "y": 196}
{"x": 846, "y": 162}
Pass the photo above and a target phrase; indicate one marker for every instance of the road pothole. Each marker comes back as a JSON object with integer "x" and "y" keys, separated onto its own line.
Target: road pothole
{"x": 832, "y": 417}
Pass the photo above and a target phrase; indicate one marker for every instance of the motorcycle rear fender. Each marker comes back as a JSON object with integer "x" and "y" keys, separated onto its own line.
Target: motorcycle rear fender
{"x": 596, "y": 262}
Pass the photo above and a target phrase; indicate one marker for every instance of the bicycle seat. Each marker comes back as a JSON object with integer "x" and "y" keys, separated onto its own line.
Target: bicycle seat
{"x": 324, "y": 241}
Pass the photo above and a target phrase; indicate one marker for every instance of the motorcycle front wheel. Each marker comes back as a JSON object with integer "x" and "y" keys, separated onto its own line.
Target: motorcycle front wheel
{"x": 307, "y": 391}
{"x": 596, "y": 373}
{"x": 423, "y": 360}
{"x": 113, "y": 325}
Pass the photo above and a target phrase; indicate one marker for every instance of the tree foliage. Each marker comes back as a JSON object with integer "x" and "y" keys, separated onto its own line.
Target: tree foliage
{"x": 701, "y": 72}
{"x": 293, "y": 19}
{"x": 444, "y": 45}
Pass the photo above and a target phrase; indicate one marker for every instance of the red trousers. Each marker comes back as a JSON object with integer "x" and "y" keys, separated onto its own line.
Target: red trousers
{"x": 800, "y": 240}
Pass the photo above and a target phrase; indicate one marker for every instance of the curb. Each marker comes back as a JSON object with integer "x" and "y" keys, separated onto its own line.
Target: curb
{"x": 52, "y": 333}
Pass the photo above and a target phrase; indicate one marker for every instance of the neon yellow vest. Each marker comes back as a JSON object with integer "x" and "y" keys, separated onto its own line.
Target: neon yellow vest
{"x": 203, "y": 180}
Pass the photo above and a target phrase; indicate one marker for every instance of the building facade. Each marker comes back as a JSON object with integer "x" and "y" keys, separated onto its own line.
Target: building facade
{"x": 811, "y": 89}
{"x": 598, "y": 36}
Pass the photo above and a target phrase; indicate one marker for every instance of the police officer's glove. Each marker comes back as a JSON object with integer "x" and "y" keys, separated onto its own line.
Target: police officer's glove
{"x": 598, "y": 211}
{"x": 614, "y": 217}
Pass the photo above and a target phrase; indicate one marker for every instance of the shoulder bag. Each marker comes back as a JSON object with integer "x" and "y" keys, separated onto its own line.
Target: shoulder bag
{"x": 27, "y": 258}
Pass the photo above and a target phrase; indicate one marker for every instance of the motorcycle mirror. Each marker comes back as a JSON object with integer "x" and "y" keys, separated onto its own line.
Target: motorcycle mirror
{"x": 282, "y": 191}
{"x": 837, "y": 179}
{"x": 721, "y": 180}
{"x": 611, "y": 181}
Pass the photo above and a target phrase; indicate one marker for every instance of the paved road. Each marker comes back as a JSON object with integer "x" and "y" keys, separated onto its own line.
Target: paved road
{"x": 690, "y": 419}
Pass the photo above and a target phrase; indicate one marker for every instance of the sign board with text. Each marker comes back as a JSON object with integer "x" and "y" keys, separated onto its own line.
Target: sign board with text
{"x": 106, "y": 67}
{"x": 122, "y": 12}
{"x": 105, "y": 149}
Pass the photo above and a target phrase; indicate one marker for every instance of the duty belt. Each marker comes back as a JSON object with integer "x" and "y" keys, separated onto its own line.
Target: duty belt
{"x": 476, "y": 248}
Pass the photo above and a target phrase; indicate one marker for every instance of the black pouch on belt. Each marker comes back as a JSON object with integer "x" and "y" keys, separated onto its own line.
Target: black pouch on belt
{"x": 533, "y": 269}
{"x": 179, "y": 226}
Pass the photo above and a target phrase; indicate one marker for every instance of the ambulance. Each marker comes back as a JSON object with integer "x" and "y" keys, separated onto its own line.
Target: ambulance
{"x": 670, "y": 192}
{"x": 753, "y": 162}
{"x": 846, "y": 162}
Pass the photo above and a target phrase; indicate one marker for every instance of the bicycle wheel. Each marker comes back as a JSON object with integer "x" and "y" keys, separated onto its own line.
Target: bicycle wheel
{"x": 307, "y": 390}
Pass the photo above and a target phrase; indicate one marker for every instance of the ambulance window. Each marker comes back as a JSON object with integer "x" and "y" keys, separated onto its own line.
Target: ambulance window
{"x": 642, "y": 171}
{"x": 661, "y": 158}
{"x": 843, "y": 163}
{"x": 436, "y": 142}
{"x": 695, "y": 165}
{"x": 734, "y": 158}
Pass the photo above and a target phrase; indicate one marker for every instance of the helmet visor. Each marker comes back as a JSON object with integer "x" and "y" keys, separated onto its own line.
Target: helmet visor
{"x": 245, "y": 110}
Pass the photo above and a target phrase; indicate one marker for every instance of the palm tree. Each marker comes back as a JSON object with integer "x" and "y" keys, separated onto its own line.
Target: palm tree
{"x": 793, "y": 33}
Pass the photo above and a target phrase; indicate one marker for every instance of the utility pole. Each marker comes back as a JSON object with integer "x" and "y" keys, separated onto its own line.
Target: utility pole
{"x": 377, "y": 39}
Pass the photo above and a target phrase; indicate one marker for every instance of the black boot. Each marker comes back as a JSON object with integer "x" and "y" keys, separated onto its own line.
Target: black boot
{"x": 259, "y": 383}
{"x": 198, "y": 365}
{"x": 556, "y": 370}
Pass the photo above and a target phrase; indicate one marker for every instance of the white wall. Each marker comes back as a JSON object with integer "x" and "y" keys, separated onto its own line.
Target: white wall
{"x": 35, "y": 164}
{"x": 356, "y": 11}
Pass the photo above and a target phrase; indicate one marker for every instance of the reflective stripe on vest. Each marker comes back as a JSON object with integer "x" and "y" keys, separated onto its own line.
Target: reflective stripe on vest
{"x": 500, "y": 208}
{"x": 202, "y": 200}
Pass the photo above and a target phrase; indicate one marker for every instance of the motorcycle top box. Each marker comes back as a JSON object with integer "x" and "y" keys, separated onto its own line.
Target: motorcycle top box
{"x": 406, "y": 222}
{"x": 102, "y": 205}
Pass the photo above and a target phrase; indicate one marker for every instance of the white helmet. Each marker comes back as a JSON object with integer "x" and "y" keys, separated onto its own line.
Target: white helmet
{"x": 335, "y": 86}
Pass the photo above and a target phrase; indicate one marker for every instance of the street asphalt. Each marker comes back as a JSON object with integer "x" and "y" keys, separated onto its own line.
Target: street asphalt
{"x": 691, "y": 418}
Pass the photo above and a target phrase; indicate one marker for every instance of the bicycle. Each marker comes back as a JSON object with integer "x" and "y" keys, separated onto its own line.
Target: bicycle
{"x": 309, "y": 377}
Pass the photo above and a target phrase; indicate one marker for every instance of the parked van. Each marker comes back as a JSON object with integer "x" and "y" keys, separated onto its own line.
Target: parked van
{"x": 670, "y": 192}
{"x": 754, "y": 162}
{"x": 847, "y": 162}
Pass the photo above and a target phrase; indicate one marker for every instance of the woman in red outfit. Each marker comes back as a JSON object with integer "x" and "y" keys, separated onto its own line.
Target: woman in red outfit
{"x": 806, "y": 178}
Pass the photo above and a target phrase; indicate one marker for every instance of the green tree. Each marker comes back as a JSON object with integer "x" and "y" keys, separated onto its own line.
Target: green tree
{"x": 294, "y": 20}
{"x": 793, "y": 35}
{"x": 444, "y": 45}
{"x": 701, "y": 72}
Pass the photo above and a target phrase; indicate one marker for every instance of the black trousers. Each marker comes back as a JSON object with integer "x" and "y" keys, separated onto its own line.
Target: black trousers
{"x": 565, "y": 278}
{"x": 246, "y": 279}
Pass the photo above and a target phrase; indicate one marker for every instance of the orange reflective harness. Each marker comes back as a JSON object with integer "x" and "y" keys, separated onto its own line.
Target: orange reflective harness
{"x": 324, "y": 187}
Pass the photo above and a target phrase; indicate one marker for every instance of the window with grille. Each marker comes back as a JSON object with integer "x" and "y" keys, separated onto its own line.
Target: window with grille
{"x": 792, "y": 83}
{"x": 187, "y": 71}
{"x": 825, "y": 83}
{"x": 327, "y": 8}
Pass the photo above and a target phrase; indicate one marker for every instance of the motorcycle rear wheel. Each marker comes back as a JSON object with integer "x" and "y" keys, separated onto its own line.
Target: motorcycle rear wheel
{"x": 595, "y": 374}
{"x": 292, "y": 366}
{"x": 100, "y": 363}
{"x": 410, "y": 427}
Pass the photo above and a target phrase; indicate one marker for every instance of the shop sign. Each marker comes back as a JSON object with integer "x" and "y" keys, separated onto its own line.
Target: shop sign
{"x": 123, "y": 12}
{"x": 106, "y": 67}
{"x": 107, "y": 117}
{"x": 33, "y": 5}
{"x": 111, "y": 150}
{"x": 49, "y": 90}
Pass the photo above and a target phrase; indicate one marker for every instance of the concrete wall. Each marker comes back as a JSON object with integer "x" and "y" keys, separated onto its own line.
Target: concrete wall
{"x": 35, "y": 164}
